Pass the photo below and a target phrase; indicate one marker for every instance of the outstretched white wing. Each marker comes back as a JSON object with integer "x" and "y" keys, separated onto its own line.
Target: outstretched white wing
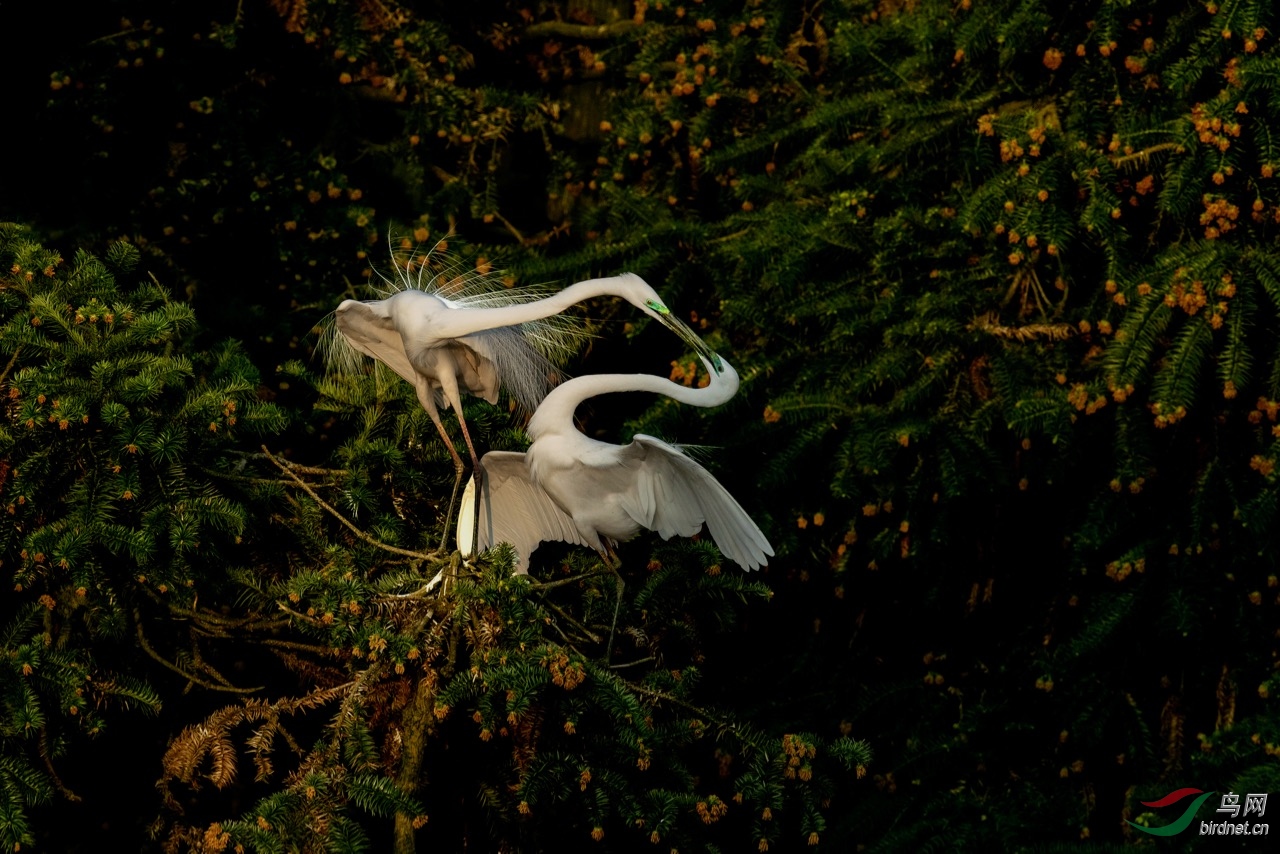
{"x": 514, "y": 510}
{"x": 371, "y": 332}
{"x": 673, "y": 495}
{"x": 479, "y": 361}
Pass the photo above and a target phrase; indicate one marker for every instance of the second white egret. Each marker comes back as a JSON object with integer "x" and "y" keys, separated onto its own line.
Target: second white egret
{"x": 573, "y": 488}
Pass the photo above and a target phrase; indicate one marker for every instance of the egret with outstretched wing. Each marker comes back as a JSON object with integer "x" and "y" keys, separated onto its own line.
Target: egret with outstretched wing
{"x": 573, "y": 488}
{"x": 476, "y": 342}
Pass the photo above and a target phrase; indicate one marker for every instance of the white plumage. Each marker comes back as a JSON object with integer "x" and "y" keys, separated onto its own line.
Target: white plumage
{"x": 474, "y": 340}
{"x": 570, "y": 487}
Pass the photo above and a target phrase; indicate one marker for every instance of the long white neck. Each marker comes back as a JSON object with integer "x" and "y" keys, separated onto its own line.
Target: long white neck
{"x": 456, "y": 324}
{"x": 555, "y": 413}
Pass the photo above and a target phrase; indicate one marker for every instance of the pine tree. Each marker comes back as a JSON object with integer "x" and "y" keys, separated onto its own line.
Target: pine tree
{"x": 999, "y": 280}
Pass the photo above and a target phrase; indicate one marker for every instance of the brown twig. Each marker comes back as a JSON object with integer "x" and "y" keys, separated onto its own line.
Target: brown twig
{"x": 1144, "y": 154}
{"x": 420, "y": 593}
{"x": 53, "y": 774}
{"x": 547, "y": 585}
{"x": 314, "y": 649}
{"x": 590, "y": 635}
{"x": 580, "y": 31}
{"x": 298, "y": 615}
{"x": 190, "y": 677}
{"x": 343, "y": 519}
{"x": 4, "y": 375}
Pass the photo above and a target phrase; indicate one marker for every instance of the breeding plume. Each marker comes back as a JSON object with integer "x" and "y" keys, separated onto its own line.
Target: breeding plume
{"x": 476, "y": 340}
{"x": 570, "y": 487}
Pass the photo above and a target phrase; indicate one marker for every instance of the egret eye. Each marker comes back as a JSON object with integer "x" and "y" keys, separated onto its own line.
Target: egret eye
{"x": 657, "y": 306}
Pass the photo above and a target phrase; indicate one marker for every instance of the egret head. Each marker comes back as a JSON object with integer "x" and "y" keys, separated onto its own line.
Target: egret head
{"x": 647, "y": 299}
{"x": 723, "y": 384}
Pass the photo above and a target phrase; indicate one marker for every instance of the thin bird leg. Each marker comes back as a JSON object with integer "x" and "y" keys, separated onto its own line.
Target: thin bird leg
{"x": 477, "y": 474}
{"x": 610, "y": 556}
{"x": 426, "y": 398}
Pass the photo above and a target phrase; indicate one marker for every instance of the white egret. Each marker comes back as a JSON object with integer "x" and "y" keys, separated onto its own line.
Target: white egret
{"x": 475, "y": 341}
{"x": 570, "y": 487}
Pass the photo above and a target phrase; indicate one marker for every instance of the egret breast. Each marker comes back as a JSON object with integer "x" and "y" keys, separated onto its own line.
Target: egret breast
{"x": 582, "y": 478}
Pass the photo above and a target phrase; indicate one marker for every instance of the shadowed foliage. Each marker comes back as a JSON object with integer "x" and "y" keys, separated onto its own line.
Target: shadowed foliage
{"x": 1001, "y": 282}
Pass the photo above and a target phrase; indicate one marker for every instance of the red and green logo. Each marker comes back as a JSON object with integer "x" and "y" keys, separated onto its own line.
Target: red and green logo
{"x": 1183, "y": 821}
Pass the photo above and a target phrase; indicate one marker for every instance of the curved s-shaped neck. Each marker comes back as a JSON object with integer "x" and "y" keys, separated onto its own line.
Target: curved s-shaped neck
{"x": 555, "y": 413}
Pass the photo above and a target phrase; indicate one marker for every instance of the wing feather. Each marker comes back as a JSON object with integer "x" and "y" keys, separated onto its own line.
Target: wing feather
{"x": 516, "y": 510}
{"x": 673, "y": 495}
{"x": 375, "y": 336}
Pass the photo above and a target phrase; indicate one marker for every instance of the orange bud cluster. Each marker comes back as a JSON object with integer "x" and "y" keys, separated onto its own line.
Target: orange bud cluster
{"x": 1164, "y": 417}
{"x": 1117, "y": 571}
{"x": 1010, "y": 149}
{"x": 798, "y": 752}
{"x": 1219, "y": 216}
{"x": 1232, "y": 72}
{"x": 1212, "y": 130}
{"x": 564, "y": 672}
{"x": 684, "y": 373}
{"x": 1189, "y": 298}
{"x": 1078, "y": 396}
{"x": 711, "y": 810}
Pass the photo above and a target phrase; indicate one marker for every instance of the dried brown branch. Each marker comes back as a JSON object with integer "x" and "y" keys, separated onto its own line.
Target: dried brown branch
{"x": 560, "y": 582}
{"x": 1144, "y": 155}
{"x": 191, "y": 677}
{"x": 420, "y": 593}
{"x": 589, "y": 32}
{"x": 53, "y": 774}
{"x": 13, "y": 360}
{"x": 990, "y": 324}
{"x": 211, "y": 738}
{"x": 564, "y": 615}
{"x": 706, "y": 714}
{"x": 314, "y": 649}
{"x": 324, "y": 505}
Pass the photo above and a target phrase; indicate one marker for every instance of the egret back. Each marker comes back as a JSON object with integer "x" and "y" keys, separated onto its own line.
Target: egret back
{"x": 523, "y": 356}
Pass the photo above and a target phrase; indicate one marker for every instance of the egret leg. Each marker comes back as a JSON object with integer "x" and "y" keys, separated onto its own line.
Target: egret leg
{"x": 425, "y": 398}
{"x": 477, "y": 473}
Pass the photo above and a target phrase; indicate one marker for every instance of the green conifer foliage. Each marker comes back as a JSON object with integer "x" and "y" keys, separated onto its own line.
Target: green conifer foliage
{"x": 1000, "y": 279}
{"x": 1000, "y": 272}
{"x": 109, "y": 521}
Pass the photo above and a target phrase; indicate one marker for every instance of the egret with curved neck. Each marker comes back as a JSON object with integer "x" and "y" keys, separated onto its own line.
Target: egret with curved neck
{"x": 570, "y": 487}
{"x": 444, "y": 346}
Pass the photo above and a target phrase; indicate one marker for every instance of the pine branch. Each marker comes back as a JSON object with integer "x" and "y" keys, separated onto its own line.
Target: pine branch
{"x": 13, "y": 360}
{"x": 190, "y": 677}
{"x": 587, "y": 32}
{"x": 343, "y": 519}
